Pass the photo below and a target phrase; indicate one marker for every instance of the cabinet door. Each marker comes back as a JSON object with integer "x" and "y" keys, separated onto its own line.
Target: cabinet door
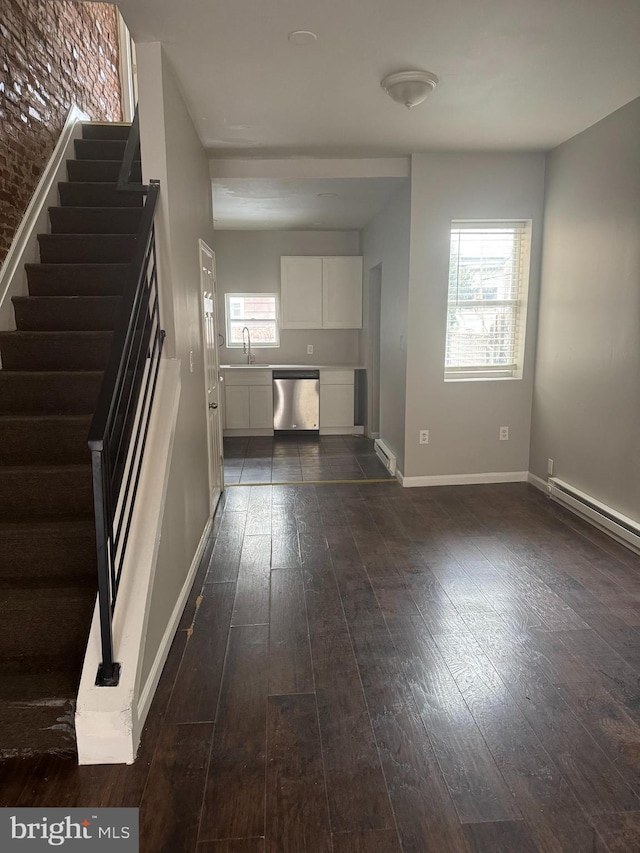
{"x": 236, "y": 410}
{"x": 261, "y": 407}
{"x": 301, "y": 293}
{"x": 342, "y": 293}
{"x": 336, "y": 405}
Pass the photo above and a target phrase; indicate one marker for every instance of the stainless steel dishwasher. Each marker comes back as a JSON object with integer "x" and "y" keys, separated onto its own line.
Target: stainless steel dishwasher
{"x": 296, "y": 400}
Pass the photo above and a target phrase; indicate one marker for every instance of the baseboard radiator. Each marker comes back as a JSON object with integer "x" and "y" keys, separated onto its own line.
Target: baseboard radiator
{"x": 617, "y": 525}
{"x": 385, "y": 455}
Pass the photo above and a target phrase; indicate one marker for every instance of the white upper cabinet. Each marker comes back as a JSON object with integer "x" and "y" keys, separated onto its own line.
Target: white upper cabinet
{"x": 301, "y": 293}
{"x": 342, "y": 293}
{"x": 321, "y": 293}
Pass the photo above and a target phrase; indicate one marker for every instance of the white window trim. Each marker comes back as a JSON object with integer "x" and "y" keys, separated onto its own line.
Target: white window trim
{"x": 228, "y": 318}
{"x": 500, "y": 373}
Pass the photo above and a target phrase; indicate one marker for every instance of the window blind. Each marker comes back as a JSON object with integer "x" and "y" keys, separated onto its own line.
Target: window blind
{"x": 487, "y": 279}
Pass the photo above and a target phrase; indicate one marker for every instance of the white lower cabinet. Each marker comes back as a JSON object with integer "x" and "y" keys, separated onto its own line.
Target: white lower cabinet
{"x": 236, "y": 410}
{"x": 336, "y": 398}
{"x": 248, "y": 399}
{"x": 261, "y": 407}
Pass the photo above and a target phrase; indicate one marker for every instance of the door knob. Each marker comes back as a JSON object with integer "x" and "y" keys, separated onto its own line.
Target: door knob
{"x": 213, "y": 405}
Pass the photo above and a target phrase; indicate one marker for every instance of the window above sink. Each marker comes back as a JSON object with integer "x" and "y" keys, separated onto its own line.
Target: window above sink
{"x": 259, "y": 313}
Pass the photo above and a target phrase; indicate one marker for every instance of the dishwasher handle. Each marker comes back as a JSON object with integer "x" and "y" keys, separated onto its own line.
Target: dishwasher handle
{"x": 296, "y": 374}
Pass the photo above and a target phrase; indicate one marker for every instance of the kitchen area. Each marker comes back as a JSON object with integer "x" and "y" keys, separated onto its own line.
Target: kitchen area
{"x": 294, "y": 383}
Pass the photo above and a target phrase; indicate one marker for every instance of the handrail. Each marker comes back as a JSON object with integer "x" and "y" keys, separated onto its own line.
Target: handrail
{"x": 131, "y": 149}
{"x": 118, "y": 431}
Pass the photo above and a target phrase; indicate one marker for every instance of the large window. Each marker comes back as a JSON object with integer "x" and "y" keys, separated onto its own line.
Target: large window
{"x": 259, "y": 313}
{"x": 488, "y": 279}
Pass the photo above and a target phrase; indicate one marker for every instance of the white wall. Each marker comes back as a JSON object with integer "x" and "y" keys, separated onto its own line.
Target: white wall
{"x": 249, "y": 262}
{"x": 586, "y": 412}
{"x": 385, "y": 241}
{"x": 463, "y": 417}
{"x": 172, "y": 152}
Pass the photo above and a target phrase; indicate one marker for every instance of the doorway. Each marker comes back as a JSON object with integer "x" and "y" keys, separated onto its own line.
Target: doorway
{"x": 211, "y": 374}
{"x": 375, "y": 317}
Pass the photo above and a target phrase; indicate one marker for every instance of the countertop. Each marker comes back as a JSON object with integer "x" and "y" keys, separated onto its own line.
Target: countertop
{"x": 292, "y": 367}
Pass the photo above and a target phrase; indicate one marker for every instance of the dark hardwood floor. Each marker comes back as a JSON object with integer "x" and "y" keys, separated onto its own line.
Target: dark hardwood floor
{"x": 367, "y": 669}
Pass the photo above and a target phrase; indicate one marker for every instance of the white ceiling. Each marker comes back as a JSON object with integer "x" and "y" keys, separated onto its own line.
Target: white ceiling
{"x": 514, "y": 74}
{"x": 261, "y": 203}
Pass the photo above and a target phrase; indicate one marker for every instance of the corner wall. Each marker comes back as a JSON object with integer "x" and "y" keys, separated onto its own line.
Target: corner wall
{"x": 586, "y": 405}
{"x": 463, "y": 418}
{"x": 54, "y": 55}
{"x": 385, "y": 241}
{"x": 172, "y": 152}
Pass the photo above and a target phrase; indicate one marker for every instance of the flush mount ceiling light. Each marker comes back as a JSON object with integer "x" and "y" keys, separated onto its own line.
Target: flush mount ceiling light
{"x": 327, "y": 195}
{"x": 409, "y": 87}
{"x": 302, "y": 37}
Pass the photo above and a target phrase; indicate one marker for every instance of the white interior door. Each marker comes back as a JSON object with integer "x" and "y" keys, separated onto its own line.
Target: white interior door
{"x": 213, "y": 394}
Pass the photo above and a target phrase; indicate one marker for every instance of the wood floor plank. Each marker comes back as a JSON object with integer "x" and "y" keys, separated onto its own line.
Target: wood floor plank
{"x": 197, "y": 686}
{"x": 285, "y": 548}
{"x": 225, "y": 557}
{"x": 172, "y": 801}
{"x": 290, "y": 669}
{"x": 595, "y": 781}
{"x": 615, "y": 732}
{"x": 259, "y": 511}
{"x": 477, "y": 788}
{"x": 356, "y": 790}
{"x": 557, "y": 821}
{"x": 426, "y": 818}
{"x": 251, "y": 606}
{"x": 554, "y": 612}
{"x": 440, "y": 614}
{"x": 503, "y": 837}
{"x": 297, "y": 812}
{"x": 234, "y": 803}
{"x": 621, "y": 832}
{"x": 380, "y": 841}
{"x": 544, "y": 651}
{"x": 236, "y": 845}
{"x": 606, "y": 665}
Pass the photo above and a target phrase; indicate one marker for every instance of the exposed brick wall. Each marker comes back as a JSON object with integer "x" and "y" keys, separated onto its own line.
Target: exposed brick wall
{"x": 52, "y": 54}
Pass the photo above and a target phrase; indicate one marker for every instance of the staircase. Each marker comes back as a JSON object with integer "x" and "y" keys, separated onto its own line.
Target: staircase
{"x": 51, "y": 374}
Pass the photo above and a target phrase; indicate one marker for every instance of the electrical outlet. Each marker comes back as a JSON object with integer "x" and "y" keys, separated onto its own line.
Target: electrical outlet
{"x": 424, "y": 436}
{"x": 550, "y": 467}
{"x": 504, "y": 433}
{"x": 309, "y": 349}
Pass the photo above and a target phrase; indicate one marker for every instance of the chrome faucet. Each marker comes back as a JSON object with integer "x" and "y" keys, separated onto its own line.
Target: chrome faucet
{"x": 250, "y": 358}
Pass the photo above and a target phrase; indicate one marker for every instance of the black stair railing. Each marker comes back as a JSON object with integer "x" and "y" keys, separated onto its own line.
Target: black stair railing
{"x": 119, "y": 428}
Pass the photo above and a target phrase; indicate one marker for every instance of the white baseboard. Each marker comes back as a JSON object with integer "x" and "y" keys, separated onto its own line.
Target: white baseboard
{"x": 24, "y": 246}
{"x": 464, "y": 479}
{"x": 346, "y": 430}
{"x": 246, "y": 433}
{"x": 149, "y": 689}
{"x": 539, "y": 483}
